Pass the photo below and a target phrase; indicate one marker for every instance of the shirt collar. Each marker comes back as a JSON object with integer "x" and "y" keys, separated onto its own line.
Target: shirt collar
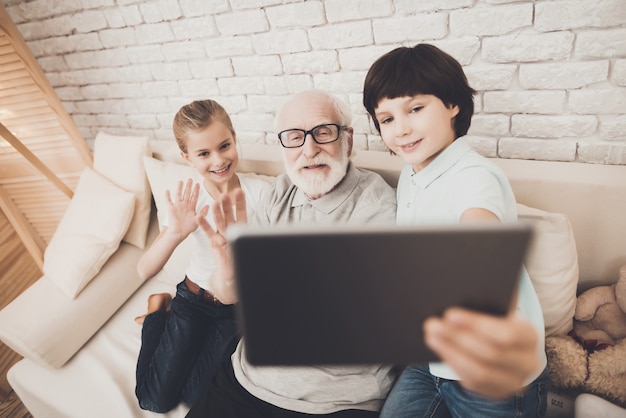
{"x": 333, "y": 199}
{"x": 442, "y": 163}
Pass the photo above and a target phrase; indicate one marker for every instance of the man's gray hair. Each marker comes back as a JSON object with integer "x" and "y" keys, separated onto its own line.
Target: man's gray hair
{"x": 342, "y": 109}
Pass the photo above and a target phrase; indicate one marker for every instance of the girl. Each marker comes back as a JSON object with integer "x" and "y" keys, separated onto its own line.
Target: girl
{"x": 183, "y": 346}
{"x": 422, "y": 105}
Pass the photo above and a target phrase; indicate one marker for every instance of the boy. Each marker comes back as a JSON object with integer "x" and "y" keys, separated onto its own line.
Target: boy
{"x": 422, "y": 105}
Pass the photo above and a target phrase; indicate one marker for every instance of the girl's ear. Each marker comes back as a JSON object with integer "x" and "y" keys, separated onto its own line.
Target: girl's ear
{"x": 186, "y": 158}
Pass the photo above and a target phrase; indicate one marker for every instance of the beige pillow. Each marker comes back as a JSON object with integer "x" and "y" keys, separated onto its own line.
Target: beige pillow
{"x": 164, "y": 176}
{"x": 120, "y": 159}
{"x": 90, "y": 231}
{"x": 552, "y": 263}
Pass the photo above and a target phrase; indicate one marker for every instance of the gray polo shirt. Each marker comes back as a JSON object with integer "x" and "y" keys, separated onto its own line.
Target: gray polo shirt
{"x": 362, "y": 196}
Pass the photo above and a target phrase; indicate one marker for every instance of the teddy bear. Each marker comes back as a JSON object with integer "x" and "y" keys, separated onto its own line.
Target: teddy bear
{"x": 592, "y": 357}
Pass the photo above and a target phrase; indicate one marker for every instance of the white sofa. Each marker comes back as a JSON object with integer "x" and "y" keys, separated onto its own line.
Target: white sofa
{"x": 80, "y": 354}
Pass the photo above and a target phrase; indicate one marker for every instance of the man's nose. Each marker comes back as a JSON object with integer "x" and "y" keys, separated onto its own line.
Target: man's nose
{"x": 310, "y": 148}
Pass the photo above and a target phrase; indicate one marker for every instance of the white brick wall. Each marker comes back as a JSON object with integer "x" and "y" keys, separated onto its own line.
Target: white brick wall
{"x": 550, "y": 74}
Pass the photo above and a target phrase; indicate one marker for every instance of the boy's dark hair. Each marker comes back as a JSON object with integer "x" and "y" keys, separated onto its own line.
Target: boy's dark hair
{"x": 423, "y": 69}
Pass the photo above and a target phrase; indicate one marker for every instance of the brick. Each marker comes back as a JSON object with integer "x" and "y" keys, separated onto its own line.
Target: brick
{"x": 170, "y": 71}
{"x": 158, "y": 88}
{"x": 199, "y": 88}
{"x": 311, "y": 62}
{"x": 89, "y": 21}
{"x": 257, "y": 65}
{"x": 599, "y": 101}
{"x": 410, "y": 29}
{"x": 98, "y": 59}
{"x": 252, "y": 4}
{"x": 528, "y": 47}
{"x": 541, "y": 126}
{"x": 484, "y": 145}
{"x": 613, "y": 127}
{"x": 229, "y": 47}
{"x": 497, "y": 125}
{"x": 490, "y": 76}
{"x": 462, "y": 49}
{"x": 145, "y": 54}
{"x": 184, "y": 50}
{"x": 57, "y": 26}
{"x": 132, "y": 15}
{"x": 192, "y": 8}
{"x": 294, "y": 16}
{"x": 602, "y": 153}
{"x": 263, "y": 102}
{"x": 233, "y": 23}
{"x": 407, "y": 7}
{"x": 537, "y": 149}
{"x": 150, "y": 12}
{"x": 345, "y": 82}
{"x": 42, "y": 9}
{"x": 96, "y": 91}
{"x": 114, "y": 18}
{"x": 275, "y": 85}
{"x": 375, "y": 143}
{"x": 601, "y": 43}
{"x": 298, "y": 82}
{"x": 151, "y": 105}
{"x": 361, "y": 58}
{"x": 69, "y": 93}
{"x": 344, "y": 10}
{"x": 525, "y": 101}
{"x": 117, "y": 121}
{"x": 240, "y": 85}
{"x": 194, "y": 28}
{"x": 341, "y": 35}
{"x": 490, "y": 21}
{"x": 154, "y": 33}
{"x": 54, "y": 63}
{"x": 253, "y": 122}
{"x": 208, "y": 68}
{"x": 280, "y": 42}
{"x": 565, "y": 75}
{"x": 113, "y": 38}
{"x": 147, "y": 121}
{"x": 619, "y": 72}
{"x": 573, "y": 14}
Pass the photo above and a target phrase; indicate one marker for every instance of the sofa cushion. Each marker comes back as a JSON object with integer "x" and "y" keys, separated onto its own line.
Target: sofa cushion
{"x": 120, "y": 159}
{"x": 552, "y": 263}
{"x": 90, "y": 231}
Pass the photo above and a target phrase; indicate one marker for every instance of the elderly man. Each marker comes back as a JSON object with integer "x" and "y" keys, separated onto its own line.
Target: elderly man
{"x": 322, "y": 186}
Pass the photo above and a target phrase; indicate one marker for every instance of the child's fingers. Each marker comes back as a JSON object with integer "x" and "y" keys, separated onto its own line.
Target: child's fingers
{"x": 241, "y": 214}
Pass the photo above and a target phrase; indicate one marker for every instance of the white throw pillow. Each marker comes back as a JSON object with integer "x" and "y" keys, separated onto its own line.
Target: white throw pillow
{"x": 164, "y": 176}
{"x": 90, "y": 231}
{"x": 552, "y": 263}
{"x": 120, "y": 159}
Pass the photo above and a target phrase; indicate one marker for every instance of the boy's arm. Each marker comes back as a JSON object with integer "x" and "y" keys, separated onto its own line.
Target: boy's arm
{"x": 493, "y": 356}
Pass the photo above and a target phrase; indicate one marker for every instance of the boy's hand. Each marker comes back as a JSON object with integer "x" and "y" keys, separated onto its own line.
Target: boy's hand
{"x": 493, "y": 356}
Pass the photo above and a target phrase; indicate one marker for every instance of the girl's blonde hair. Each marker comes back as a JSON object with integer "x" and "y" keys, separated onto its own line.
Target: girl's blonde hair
{"x": 197, "y": 115}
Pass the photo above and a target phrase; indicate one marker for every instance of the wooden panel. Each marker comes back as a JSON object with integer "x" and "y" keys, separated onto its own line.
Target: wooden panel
{"x": 42, "y": 153}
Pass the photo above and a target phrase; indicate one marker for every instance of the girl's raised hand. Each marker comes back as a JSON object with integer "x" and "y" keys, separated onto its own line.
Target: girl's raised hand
{"x": 182, "y": 208}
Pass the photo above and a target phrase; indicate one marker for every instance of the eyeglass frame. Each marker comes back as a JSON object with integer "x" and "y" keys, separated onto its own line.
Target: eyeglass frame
{"x": 310, "y": 131}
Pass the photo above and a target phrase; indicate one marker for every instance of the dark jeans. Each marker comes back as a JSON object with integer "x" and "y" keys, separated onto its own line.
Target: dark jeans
{"x": 181, "y": 351}
{"x": 226, "y": 398}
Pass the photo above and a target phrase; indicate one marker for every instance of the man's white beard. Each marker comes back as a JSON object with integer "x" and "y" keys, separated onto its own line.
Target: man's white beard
{"x": 318, "y": 184}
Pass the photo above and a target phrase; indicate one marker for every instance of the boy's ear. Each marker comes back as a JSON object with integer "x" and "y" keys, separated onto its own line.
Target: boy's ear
{"x": 455, "y": 110}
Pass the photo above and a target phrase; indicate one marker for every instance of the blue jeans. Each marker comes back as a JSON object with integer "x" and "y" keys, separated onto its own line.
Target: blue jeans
{"x": 417, "y": 393}
{"x": 182, "y": 350}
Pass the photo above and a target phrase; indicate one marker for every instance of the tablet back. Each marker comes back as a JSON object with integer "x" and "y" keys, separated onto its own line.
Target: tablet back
{"x": 342, "y": 295}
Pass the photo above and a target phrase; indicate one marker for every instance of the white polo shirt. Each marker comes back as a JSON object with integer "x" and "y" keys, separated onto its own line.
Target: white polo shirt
{"x": 457, "y": 180}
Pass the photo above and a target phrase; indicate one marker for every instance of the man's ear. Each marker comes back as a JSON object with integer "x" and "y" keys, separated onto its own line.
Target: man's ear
{"x": 350, "y": 132}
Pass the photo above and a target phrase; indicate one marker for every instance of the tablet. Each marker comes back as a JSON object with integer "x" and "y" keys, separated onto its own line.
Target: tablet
{"x": 353, "y": 295}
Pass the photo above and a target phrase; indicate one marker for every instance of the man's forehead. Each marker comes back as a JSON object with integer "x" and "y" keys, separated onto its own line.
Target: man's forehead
{"x": 305, "y": 112}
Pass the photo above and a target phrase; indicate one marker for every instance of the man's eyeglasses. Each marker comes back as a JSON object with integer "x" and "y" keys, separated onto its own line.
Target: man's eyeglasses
{"x": 322, "y": 134}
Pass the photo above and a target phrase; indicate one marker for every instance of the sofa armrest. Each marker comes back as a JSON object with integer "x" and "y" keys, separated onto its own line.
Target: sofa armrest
{"x": 44, "y": 325}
